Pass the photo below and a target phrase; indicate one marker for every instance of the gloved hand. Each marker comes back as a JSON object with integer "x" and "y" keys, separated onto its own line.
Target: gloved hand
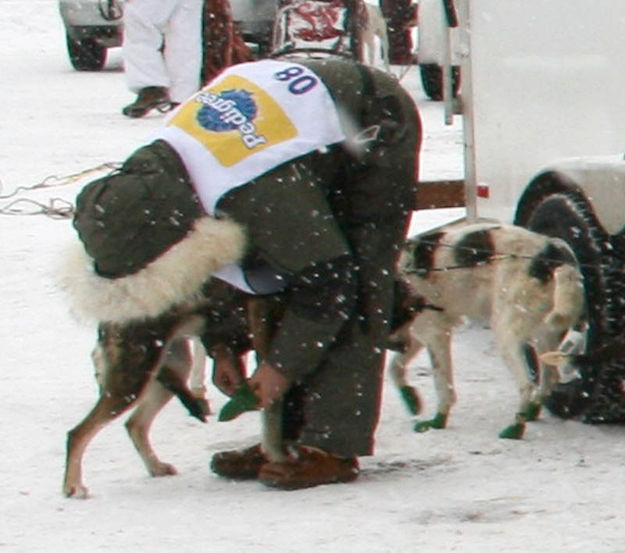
{"x": 268, "y": 384}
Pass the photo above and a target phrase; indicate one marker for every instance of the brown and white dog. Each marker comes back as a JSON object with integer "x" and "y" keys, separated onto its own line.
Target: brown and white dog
{"x": 143, "y": 364}
{"x": 526, "y": 285}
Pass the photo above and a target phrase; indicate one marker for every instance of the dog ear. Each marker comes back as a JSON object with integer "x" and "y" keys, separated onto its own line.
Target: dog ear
{"x": 424, "y": 251}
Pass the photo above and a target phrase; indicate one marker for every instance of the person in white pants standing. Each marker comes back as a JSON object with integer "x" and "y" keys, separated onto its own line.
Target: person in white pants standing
{"x": 162, "y": 51}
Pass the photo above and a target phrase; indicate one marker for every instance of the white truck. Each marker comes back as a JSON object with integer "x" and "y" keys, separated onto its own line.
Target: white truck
{"x": 542, "y": 96}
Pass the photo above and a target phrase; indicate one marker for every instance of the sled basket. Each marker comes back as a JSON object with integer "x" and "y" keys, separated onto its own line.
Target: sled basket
{"x": 318, "y": 28}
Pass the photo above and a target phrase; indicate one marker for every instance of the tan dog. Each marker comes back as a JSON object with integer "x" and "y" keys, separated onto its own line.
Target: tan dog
{"x": 526, "y": 285}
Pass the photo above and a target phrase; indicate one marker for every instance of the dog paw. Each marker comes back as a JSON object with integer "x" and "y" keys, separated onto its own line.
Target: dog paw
{"x": 439, "y": 422}
{"x": 75, "y": 491}
{"x": 163, "y": 469}
{"x": 205, "y": 407}
{"x": 513, "y": 432}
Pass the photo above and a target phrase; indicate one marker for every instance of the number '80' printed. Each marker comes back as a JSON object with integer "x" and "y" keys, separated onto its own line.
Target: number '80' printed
{"x": 299, "y": 83}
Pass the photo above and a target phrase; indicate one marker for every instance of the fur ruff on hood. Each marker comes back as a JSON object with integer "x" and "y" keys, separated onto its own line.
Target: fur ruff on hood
{"x": 174, "y": 277}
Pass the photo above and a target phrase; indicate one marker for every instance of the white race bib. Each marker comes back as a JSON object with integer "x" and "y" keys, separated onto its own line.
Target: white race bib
{"x": 251, "y": 118}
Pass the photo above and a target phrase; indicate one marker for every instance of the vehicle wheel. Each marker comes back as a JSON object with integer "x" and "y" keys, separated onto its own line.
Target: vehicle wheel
{"x": 569, "y": 217}
{"x": 86, "y": 54}
{"x": 432, "y": 80}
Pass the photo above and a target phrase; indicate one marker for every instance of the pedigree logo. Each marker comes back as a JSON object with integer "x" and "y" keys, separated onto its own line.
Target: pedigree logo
{"x": 234, "y": 120}
{"x": 231, "y": 110}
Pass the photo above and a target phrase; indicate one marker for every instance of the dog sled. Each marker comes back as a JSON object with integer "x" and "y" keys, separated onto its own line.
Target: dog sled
{"x": 319, "y": 27}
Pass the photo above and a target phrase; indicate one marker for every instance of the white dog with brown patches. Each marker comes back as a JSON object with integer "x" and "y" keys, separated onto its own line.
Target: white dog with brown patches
{"x": 526, "y": 285}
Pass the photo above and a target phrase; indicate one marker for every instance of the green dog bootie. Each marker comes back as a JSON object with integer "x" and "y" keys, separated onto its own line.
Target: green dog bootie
{"x": 244, "y": 399}
{"x": 411, "y": 399}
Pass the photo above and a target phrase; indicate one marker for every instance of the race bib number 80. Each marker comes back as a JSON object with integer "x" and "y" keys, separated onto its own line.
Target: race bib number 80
{"x": 298, "y": 81}
{"x": 252, "y": 118}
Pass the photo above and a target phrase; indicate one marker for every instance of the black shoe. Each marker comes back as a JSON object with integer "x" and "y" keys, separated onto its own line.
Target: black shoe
{"x": 149, "y": 98}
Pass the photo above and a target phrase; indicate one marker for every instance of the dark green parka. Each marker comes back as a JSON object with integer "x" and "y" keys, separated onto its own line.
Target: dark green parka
{"x": 326, "y": 226}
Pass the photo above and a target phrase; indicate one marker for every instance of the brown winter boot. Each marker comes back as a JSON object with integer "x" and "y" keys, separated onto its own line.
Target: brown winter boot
{"x": 149, "y": 98}
{"x": 307, "y": 468}
{"x": 243, "y": 464}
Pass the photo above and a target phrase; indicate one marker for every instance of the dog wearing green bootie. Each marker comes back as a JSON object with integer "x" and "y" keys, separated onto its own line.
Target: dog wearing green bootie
{"x": 526, "y": 286}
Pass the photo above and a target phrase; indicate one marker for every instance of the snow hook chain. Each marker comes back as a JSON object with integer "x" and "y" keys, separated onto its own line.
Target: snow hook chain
{"x": 56, "y": 208}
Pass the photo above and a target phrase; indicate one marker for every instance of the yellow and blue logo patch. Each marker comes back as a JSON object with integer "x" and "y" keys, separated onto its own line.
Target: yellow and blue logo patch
{"x": 234, "y": 119}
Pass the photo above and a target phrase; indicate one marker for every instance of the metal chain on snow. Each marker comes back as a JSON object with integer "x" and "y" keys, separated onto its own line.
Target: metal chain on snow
{"x": 57, "y": 208}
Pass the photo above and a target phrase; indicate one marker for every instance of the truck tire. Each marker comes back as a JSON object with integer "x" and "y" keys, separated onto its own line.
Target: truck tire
{"x": 432, "y": 80}
{"x": 85, "y": 54}
{"x": 567, "y": 215}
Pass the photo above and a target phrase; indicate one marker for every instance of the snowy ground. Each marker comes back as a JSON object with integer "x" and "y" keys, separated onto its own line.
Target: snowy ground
{"x": 463, "y": 489}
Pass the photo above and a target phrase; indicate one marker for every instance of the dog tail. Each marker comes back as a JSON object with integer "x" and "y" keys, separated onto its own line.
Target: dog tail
{"x": 568, "y": 297}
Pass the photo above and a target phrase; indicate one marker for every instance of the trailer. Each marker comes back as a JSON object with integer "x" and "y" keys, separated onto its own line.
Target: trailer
{"x": 542, "y": 96}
